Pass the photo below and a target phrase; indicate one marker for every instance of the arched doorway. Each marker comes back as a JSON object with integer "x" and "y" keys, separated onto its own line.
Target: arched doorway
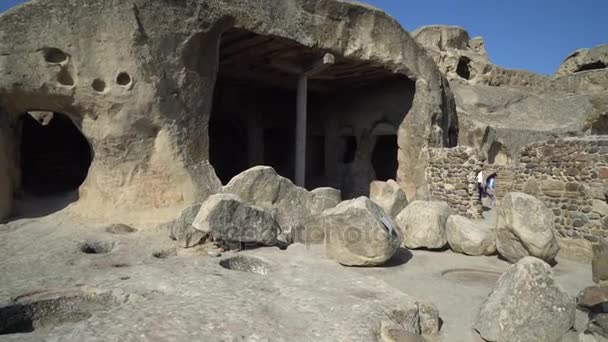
{"x": 54, "y": 155}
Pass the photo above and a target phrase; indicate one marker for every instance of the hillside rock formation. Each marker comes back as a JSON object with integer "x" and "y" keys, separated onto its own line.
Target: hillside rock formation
{"x": 501, "y": 110}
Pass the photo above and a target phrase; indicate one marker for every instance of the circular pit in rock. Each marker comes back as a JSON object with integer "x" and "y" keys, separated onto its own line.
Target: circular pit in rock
{"x": 96, "y": 247}
{"x": 49, "y": 309}
{"x": 472, "y": 276}
{"x": 120, "y": 229}
{"x": 246, "y": 264}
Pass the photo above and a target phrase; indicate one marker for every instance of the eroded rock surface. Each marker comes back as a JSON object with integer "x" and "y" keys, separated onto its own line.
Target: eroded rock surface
{"x": 526, "y": 305}
{"x": 525, "y": 228}
{"x": 389, "y": 196}
{"x": 360, "y": 233}
{"x": 228, "y": 218}
{"x": 423, "y": 224}
{"x": 470, "y": 237}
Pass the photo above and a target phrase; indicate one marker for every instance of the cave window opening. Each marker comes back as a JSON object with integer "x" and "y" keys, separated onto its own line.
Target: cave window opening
{"x": 464, "y": 69}
{"x": 54, "y": 155}
{"x": 592, "y": 66}
{"x": 384, "y": 157}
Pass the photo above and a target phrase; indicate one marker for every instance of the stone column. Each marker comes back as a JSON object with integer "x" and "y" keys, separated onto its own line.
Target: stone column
{"x": 300, "y": 170}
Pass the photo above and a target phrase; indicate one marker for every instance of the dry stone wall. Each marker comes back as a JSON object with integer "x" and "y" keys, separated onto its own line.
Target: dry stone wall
{"x": 571, "y": 176}
{"x": 451, "y": 177}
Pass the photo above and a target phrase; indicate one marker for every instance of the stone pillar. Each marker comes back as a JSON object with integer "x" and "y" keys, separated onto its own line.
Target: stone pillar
{"x": 300, "y": 170}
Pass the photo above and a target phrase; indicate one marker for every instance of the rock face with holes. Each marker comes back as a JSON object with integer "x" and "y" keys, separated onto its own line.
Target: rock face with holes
{"x": 359, "y": 233}
{"x": 140, "y": 87}
{"x": 501, "y": 110}
{"x": 526, "y": 305}
{"x": 470, "y": 237}
{"x": 584, "y": 59}
{"x": 291, "y": 205}
{"x": 389, "y": 196}
{"x": 423, "y": 224}
{"x": 525, "y": 228}
{"x": 228, "y": 218}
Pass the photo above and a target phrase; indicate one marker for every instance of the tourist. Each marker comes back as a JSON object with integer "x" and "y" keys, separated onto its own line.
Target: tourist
{"x": 480, "y": 184}
{"x": 490, "y": 187}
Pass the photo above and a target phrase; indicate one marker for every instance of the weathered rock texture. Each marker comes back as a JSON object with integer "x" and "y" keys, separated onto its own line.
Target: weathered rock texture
{"x": 389, "y": 196}
{"x": 181, "y": 229}
{"x": 359, "y": 233}
{"x": 470, "y": 237}
{"x": 451, "y": 176}
{"x": 525, "y": 228}
{"x": 291, "y": 205}
{"x": 570, "y": 176}
{"x": 583, "y": 60}
{"x": 423, "y": 224}
{"x": 226, "y": 217}
{"x": 526, "y": 305}
{"x": 502, "y": 110}
{"x": 139, "y": 86}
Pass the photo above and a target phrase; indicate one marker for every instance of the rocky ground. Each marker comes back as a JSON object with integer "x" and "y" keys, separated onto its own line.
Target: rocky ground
{"x": 85, "y": 283}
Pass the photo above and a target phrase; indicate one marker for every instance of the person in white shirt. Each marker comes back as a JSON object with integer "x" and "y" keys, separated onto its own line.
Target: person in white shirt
{"x": 480, "y": 184}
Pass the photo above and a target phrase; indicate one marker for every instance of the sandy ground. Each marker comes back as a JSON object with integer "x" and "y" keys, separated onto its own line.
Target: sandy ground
{"x": 186, "y": 295}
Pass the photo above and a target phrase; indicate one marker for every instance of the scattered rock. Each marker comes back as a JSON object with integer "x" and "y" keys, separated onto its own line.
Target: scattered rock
{"x": 470, "y": 237}
{"x": 389, "y": 196}
{"x": 526, "y": 305}
{"x": 429, "y": 319}
{"x": 599, "y": 263}
{"x": 598, "y": 325}
{"x": 525, "y": 227}
{"x": 359, "y": 233}
{"x": 594, "y": 299}
{"x": 226, "y": 217}
{"x": 181, "y": 229}
{"x": 291, "y": 205}
{"x": 423, "y": 224}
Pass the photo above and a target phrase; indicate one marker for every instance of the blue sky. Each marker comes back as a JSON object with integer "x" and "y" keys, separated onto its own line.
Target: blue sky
{"x": 535, "y": 35}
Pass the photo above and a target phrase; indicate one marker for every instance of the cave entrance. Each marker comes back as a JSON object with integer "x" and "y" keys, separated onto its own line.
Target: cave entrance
{"x": 54, "y": 155}
{"x": 384, "y": 157}
{"x": 268, "y": 104}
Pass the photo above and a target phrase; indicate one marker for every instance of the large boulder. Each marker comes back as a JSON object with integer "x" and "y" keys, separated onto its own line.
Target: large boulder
{"x": 389, "y": 196}
{"x": 470, "y": 237}
{"x": 526, "y": 305}
{"x": 291, "y": 205}
{"x": 181, "y": 229}
{"x": 423, "y": 224}
{"x": 228, "y": 218}
{"x": 525, "y": 227}
{"x": 359, "y": 233}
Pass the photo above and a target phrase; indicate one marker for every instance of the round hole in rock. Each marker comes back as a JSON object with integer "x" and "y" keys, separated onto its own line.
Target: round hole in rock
{"x": 54, "y": 55}
{"x": 97, "y": 247}
{"x": 64, "y": 78}
{"x": 165, "y": 254}
{"x": 99, "y": 85}
{"x": 120, "y": 229}
{"x": 246, "y": 264}
{"x": 471, "y": 275}
{"x": 123, "y": 79}
{"x": 55, "y": 156}
{"x": 45, "y": 310}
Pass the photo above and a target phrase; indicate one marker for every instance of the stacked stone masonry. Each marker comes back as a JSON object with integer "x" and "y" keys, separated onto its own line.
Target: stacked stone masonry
{"x": 451, "y": 178}
{"x": 571, "y": 177}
